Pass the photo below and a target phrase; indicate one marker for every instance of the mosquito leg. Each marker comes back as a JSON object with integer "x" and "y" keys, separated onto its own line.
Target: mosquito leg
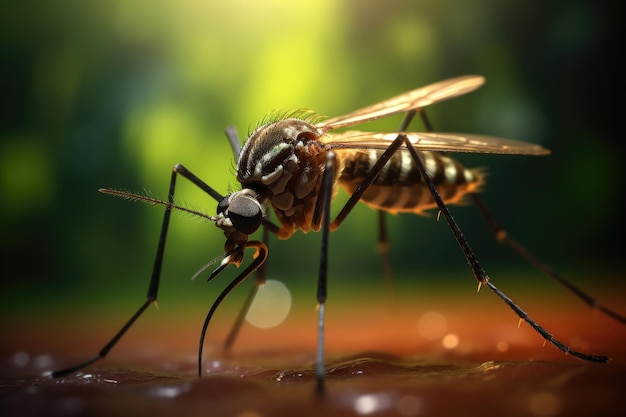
{"x": 372, "y": 174}
{"x": 153, "y": 288}
{"x": 103, "y": 352}
{"x": 543, "y": 332}
{"x": 383, "y": 248}
{"x": 502, "y": 236}
{"x": 180, "y": 169}
{"x": 233, "y": 139}
{"x": 322, "y": 279}
{"x": 479, "y": 273}
{"x": 425, "y": 120}
{"x": 367, "y": 181}
{"x": 406, "y": 120}
{"x": 383, "y": 233}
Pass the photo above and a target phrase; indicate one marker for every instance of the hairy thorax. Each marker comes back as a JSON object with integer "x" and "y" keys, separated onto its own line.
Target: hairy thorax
{"x": 284, "y": 162}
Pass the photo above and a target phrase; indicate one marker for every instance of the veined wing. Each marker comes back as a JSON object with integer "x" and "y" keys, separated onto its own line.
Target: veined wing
{"x": 434, "y": 141}
{"x": 415, "y": 99}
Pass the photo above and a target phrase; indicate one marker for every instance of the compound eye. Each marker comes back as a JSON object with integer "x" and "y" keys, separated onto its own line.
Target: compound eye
{"x": 245, "y": 213}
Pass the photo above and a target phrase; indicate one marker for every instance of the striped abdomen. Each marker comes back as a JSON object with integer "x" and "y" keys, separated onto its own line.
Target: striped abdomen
{"x": 399, "y": 187}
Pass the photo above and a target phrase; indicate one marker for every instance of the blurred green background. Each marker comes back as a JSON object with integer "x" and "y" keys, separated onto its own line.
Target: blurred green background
{"x": 114, "y": 93}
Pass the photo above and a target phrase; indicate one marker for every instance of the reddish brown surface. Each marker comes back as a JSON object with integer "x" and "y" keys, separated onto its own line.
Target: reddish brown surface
{"x": 378, "y": 363}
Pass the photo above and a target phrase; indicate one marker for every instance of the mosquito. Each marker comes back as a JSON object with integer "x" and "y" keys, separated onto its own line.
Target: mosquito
{"x": 293, "y": 164}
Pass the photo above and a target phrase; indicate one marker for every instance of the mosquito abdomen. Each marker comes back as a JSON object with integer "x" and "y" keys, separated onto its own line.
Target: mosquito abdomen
{"x": 400, "y": 187}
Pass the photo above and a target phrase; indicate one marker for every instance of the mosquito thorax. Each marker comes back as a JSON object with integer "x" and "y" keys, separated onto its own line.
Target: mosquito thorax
{"x": 270, "y": 150}
{"x": 283, "y": 162}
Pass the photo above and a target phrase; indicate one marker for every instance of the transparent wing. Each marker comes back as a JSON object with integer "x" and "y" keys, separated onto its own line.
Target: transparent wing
{"x": 414, "y": 99}
{"x": 434, "y": 141}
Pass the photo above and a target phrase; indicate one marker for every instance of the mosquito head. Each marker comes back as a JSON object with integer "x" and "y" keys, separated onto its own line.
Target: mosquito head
{"x": 239, "y": 214}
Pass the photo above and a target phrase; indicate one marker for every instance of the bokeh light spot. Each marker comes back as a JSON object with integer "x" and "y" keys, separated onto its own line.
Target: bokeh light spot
{"x": 270, "y": 306}
{"x": 371, "y": 403}
{"x": 432, "y": 325}
{"x": 450, "y": 341}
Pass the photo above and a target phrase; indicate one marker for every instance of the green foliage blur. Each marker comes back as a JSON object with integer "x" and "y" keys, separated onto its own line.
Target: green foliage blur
{"x": 114, "y": 93}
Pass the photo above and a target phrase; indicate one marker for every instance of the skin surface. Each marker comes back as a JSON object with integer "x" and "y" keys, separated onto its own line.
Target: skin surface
{"x": 392, "y": 360}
